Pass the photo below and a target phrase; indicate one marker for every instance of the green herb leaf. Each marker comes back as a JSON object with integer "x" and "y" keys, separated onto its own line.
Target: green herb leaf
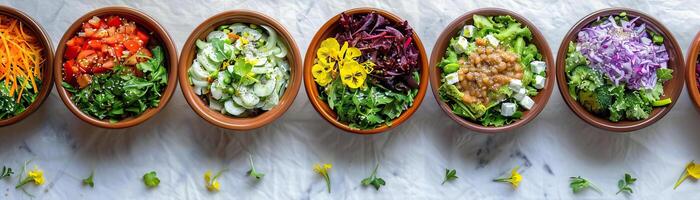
{"x": 450, "y": 174}
{"x": 624, "y": 184}
{"x": 89, "y": 180}
{"x": 151, "y": 179}
{"x": 373, "y": 179}
{"x": 252, "y": 172}
{"x": 6, "y": 172}
{"x": 578, "y": 184}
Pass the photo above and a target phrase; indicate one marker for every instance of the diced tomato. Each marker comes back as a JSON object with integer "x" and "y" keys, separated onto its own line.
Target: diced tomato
{"x": 118, "y": 51}
{"x": 84, "y": 80}
{"x": 142, "y": 35}
{"x": 96, "y": 44}
{"x": 89, "y": 32}
{"x": 98, "y": 70}
{"x": 132, "y": 45}
{"x": 68, "y": 71}
{"x": 108, "y": 64}
{"x": 75, "y": 41}
{"x": 129, "y": 28}
{"x": 95, "y": 22}
{"x": 114, "y": 21}
{"x": 100, "y": 33}
{"x": 71, "y": 52}
{"x": 85, "y": 53}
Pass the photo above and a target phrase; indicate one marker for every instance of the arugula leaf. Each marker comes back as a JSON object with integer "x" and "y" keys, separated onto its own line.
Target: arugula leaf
{"x": 6, "y": 172}
{"x": 151, "y": 179}
{"x": 373, "y": 179}
{"x": 450, "y": 174}
{"x": 624, "y": 184}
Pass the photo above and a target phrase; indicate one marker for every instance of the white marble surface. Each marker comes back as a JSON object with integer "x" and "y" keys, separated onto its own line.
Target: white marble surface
{"x": 180, "y": 146}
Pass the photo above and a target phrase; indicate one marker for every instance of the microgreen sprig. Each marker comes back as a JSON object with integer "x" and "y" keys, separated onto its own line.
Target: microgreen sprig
{"x": 578, "y": 184}
{"x": 450, "y": 174}
{"x": 624, "y": 184}
{"x": 373, "y": 179}
{"x": 252, "y": 172}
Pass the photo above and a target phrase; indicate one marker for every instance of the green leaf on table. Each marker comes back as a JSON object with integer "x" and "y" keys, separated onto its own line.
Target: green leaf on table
{"x": 151, "y": 179}
{"x": 450, "y": 174}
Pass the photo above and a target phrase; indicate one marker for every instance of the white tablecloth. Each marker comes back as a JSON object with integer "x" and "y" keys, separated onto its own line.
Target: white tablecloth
{"x": 180, "y": 146}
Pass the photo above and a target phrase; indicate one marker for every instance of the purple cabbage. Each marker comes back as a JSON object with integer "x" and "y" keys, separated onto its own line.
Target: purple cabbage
{"x": 624, "y": 53}
{"x": 390, "y": 46}
{"x": 697, "y": 73}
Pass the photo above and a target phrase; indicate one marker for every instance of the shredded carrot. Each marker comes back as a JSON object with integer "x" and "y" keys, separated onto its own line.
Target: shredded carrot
{"x": 20, "y": 57}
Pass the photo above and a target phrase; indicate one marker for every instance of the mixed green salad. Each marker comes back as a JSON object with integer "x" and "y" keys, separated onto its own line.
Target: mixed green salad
{"x": 241, "y": 69}
{"x": 490, "y": 71}
{"x": 616, "y": 69}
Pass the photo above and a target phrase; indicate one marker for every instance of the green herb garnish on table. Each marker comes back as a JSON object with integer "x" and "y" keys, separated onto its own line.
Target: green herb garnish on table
{"x": 624, "y": 184}
{"x": 151, "y": 179}
{"x": 373, "y": 179}
{"x": 578, "y": 184}
{"x": 450, "y": 174}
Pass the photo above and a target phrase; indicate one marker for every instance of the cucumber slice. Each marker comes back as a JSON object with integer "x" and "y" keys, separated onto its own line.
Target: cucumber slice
{"x": 217, "y": 35}
{"x": 206, "y": 63}
{"x": 232, "y": 108}
{"x": 198, "y": 72}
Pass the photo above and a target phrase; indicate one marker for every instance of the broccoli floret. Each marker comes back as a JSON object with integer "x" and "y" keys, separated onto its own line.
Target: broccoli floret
{"x": 589, "y": 100}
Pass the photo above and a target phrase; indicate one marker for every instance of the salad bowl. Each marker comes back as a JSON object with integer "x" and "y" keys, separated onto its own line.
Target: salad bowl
{"x": 219, "y": 118}
{"x": 455, "y": 29}
{"x": 691, "y": 78}
{"x": 47, "y": 73}
{"x": 325, "y": 33}
{"x": 156, "y": 34}
{"x": 671, "y": 88}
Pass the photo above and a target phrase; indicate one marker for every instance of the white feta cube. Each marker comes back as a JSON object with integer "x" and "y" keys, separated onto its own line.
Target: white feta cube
{"x": 468, "y": 31}
{"x": 515, "y": 84}
{"x": 462, "y": 45}
{"x": 538, "y": 66}
{"x": 520, "y": 94}
{"x": 527, "y": 102}
{"x": 452, "y": 78}
{"x": 539, "y": 82}
{"x": 507, "y": 109}
{"x": 492, "y": 40}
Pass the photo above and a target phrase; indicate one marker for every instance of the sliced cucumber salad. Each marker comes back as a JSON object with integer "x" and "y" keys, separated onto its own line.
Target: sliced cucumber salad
{"x": 241, "y": 69}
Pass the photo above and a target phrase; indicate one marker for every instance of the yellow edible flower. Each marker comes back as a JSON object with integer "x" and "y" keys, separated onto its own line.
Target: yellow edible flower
{"x": 35, "y": 176}
{"x": 322, "y": 74}
{"x": 323, "y": 171}
{"x": 332, "y": 58}
{"x": 210, "y": 181}
{"x": 328, "y": 51}
{"x": 514, "y": 178}
{"x": 353, "y": 74}
{"x": 691, "y": 170}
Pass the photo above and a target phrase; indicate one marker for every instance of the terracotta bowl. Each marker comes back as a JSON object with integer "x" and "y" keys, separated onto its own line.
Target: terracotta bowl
{"x": 230, "y": 122}
{"x": 691, "y": 79}
{"x": 322, "y": 107}
{"x": 672, "y": 88}
{"x": 143, "y": 21}
{"x": 444, "y": 41}
{"x": 46, "y": 77}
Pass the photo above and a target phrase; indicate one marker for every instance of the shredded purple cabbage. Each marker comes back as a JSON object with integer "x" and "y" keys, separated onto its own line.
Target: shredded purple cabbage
{"x": 697, "y": 73}
{"x": 624, "y": 53}
{"x": 390, "y": 46}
